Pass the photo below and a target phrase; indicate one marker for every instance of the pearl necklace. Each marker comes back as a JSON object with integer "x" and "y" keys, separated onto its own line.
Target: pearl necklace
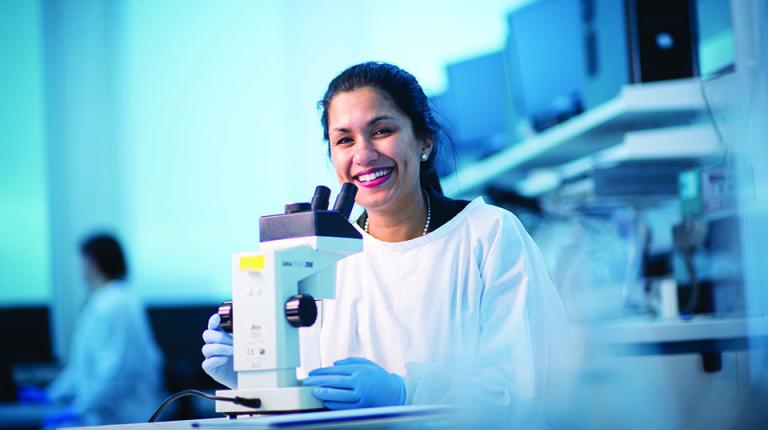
{"x": 426, "y": 225}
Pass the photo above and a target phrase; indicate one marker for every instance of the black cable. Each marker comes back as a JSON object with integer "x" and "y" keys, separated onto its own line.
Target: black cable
{"x": 712, "y": 119}
{"x": 690, "y": 267}
{"x": 250, "y": 403}
{"x": 690, "y": 236}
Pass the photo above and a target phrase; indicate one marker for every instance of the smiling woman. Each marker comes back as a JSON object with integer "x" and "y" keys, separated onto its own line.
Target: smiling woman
{"x": 376, "y": 149}
{"x": 449, "y": 302}
{"x": 383, "y": 137}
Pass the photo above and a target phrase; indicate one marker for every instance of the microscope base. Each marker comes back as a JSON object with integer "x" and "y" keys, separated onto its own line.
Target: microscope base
{"x": 285, "y": 399}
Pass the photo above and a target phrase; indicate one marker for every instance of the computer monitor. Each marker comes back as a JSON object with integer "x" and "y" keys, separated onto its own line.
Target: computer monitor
{"x": 480, "y": 93}
{"x": 178, "y": 332}
{"x": 26, "y": 340}
{"x": 27, "y": 337}
{"x": 545, "y": 60}
{"x": 476, "y": 108}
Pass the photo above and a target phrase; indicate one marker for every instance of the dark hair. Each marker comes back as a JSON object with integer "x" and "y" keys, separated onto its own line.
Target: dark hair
{"x": 406, "y": 93}
{"x": 105, "y": 251}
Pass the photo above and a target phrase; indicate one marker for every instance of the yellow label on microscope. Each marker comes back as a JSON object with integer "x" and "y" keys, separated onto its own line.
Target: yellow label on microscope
{"x": 254, "y": 263}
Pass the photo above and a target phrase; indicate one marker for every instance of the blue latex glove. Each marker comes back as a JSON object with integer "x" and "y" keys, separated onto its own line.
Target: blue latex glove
{"x": 219, "y": 363}
{"x": 31, "y": 394}
{"x": 64, "y": 417}
{"x": 356, "y": 383}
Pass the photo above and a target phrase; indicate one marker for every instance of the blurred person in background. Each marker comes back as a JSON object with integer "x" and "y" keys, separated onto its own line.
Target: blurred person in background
{"x": 113, "y": 374}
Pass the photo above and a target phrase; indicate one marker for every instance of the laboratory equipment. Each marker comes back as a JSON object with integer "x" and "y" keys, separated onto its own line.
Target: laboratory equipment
{"x": 563, "y": 57}
{"x": 273, "y": 294}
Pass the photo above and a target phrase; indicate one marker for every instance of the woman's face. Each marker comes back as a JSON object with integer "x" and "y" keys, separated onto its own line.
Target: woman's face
{"x": 90, "y": 272}
{"x": 374, "y": 147}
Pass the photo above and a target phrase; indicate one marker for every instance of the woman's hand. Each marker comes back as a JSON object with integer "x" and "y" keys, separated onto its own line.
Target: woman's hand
{"x": 218, "y": 352}
{"x": 356, "y": 383}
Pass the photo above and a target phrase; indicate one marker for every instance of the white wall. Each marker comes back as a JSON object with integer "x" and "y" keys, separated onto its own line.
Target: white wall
{"x": 24, "y": 265}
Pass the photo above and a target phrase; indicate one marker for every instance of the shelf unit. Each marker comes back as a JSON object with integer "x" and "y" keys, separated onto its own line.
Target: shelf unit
{"x": 688, "y": 142}
{"x": 636, "y": 334}
{"x": 638, "y": 107}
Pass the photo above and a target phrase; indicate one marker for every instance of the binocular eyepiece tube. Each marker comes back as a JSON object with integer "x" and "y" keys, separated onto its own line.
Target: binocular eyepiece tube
{"x": 345, "y": 200}
{"x": 320, "y": 199}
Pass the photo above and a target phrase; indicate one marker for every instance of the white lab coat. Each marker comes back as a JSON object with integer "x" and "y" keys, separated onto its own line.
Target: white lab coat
{"x": 114, "y": 371}
{"x": 464, "y": 311}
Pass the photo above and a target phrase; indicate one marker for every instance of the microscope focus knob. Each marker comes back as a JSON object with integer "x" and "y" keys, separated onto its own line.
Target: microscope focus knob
{"x": 301, "y": 310}
{"x": 226, "y": 313}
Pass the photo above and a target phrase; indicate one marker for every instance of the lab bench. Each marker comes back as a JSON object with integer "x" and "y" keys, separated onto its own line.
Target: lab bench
{"x": 394, "y": 417}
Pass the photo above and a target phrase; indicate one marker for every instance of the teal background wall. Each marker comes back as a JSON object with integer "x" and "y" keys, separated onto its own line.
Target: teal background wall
{"x": 177, "y": 124}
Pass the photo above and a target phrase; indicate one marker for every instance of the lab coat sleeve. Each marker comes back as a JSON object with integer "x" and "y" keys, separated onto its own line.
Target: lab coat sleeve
{"x": 118, "y": 366}
{"x": 499, "y": 375}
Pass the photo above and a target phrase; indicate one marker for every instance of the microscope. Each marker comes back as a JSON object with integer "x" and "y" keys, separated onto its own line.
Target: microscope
{"x": 273, "y": 294}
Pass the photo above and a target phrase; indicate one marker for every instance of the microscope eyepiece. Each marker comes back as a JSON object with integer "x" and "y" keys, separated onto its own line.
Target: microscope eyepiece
{"x": 345, "y": 200}
{"x": 321, "y": 198}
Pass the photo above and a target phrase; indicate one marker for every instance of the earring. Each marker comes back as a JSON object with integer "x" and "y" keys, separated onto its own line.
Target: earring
{"x": 424, "y": 156}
